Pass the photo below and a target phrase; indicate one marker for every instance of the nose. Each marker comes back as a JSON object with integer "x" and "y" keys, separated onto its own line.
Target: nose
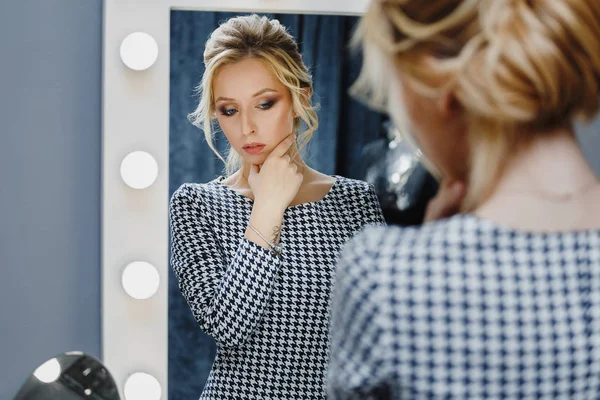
{"x": 248, "y": 124}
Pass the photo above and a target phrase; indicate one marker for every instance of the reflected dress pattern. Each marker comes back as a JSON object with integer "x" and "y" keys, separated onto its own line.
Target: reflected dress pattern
{"x": 268, "y": 314}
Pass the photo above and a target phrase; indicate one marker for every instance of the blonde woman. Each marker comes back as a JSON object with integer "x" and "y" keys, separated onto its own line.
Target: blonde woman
{"x": 501, "y": 301}
{"x": 254, "y": 251}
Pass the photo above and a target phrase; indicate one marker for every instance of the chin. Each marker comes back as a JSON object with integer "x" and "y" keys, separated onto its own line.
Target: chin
{"x": 258, "y": 159}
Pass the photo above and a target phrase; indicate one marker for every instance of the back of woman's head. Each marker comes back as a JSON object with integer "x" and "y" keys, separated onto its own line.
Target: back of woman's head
{"x": 267, "y": 40}
{"x": 518, "y": 68}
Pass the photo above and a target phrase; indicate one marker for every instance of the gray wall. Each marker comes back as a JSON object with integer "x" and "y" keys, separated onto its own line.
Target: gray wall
{"x": 50, "y": 119}
{"x": 589, "y": 136}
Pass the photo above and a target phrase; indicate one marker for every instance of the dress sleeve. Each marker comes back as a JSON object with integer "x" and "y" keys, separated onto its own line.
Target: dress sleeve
{"x": 358, "y": 366}
{"x": 227, "y": 299}
{"x": 372, "y": 207}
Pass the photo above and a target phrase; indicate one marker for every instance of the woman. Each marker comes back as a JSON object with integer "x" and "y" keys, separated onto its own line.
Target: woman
{"x": 254, "y": 251}
{"x": 502, "y": 300}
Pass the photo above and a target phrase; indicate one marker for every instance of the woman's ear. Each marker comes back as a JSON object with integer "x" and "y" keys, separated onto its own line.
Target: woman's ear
{"x": 448, "y": 105}
{"x": 306, "y": 93}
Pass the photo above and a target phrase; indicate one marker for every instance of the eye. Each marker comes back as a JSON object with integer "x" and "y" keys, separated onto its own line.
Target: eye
{"x": 228, "y": 112}
{"x": 266, "y": 105}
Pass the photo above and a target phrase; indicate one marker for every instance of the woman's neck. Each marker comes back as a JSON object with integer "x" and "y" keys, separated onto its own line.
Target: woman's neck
{"x": 546, "y": 186}
{"x": 553, "y": 164}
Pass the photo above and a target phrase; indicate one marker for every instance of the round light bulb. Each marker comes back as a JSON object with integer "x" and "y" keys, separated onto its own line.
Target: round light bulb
{"x": 49, "y": 371}
{"x": 139, "y": 169}
{"x": 139, "y": 51}
{"x": 140, "y": 280}
{"x": 142, "y": 386}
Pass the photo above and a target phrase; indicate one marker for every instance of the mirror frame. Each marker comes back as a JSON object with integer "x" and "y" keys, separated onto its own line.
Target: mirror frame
{"x": 135, "y": 116}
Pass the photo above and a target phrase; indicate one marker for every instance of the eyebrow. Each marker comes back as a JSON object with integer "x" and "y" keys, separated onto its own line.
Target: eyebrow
{"x": 265, "y": 90}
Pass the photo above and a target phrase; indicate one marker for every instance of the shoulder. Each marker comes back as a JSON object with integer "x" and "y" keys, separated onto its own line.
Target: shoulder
{"x": 350, "y": 183}
{"x": 354, "y": 186}
{"x": 194, "y": 193}
{"x": 386, "y": 251}
{"x": 371, "y": 250}
{"x": 188, "y": 192}
{"x": 458, "y": 230}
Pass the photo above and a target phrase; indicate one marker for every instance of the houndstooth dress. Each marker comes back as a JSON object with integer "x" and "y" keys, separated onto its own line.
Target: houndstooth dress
{"x": 467, "y": 309}
{"x": 268, "y": 314}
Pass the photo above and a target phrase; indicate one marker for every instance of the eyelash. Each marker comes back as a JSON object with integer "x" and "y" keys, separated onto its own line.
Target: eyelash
{"x": 266, "y": 105}
{"x": 228, "y": 112}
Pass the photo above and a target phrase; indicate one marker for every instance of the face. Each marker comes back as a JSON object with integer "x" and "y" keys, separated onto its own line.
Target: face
{"x": 437, "y": 124}
{"x": 253, "y": 107}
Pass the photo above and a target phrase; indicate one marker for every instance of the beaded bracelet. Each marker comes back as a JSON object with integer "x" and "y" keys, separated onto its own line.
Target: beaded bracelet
{"x": 275, "y": 248}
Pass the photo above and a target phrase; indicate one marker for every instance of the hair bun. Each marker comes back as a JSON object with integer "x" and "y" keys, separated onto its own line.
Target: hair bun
{"x": 534, "y": 62}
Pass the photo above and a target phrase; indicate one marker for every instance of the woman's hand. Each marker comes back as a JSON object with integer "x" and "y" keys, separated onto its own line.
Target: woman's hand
{"x": 446, "y": 202}
{"x": 276, "y": 183}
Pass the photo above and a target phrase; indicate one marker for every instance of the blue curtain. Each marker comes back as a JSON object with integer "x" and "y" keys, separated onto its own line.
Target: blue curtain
{"x": 345, "y": 126}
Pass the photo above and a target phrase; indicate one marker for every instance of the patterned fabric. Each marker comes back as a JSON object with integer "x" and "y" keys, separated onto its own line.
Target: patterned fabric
{"x": 269, "y": 315}
{"x": 466, "y": 309}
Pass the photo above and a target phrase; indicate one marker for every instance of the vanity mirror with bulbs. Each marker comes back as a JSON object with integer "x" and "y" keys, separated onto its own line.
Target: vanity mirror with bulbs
{"x": 152, "y": 64}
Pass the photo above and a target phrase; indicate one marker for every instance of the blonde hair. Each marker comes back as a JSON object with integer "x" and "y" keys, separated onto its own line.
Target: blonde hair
{"x": 517, "y": 67}
{"x": 267, "y": 40}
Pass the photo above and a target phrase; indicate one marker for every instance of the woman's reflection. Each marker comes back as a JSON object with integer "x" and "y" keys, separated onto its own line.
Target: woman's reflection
{"x": 254, "y": 251}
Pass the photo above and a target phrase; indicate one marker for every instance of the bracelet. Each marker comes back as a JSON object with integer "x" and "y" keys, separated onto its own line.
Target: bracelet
{"x": 275, "y": 248}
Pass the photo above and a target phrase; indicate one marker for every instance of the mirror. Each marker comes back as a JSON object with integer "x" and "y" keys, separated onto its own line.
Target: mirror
{"x": 70, "y": 376}
{"x": 345, "y": 127}
{"x": 352, "y": 141}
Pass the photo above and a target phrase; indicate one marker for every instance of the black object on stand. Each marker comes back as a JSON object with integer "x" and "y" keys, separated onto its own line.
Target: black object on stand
{"x": 403, "y": 184}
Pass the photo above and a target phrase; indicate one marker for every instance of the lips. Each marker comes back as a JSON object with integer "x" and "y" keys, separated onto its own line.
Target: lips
{"x": 254, "y": 148}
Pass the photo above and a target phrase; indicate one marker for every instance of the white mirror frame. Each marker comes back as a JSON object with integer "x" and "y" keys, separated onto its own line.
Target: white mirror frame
{"x": 135, "y": 222}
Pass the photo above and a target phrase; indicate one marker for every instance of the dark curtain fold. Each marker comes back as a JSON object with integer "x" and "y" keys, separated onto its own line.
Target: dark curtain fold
{"x": 345, "y": 126}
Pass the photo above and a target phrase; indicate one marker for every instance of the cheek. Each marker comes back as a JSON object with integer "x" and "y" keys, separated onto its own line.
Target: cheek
{"x": 402, "y": 113}
{"x": 227, "y": 127}
{"x": 398, "y": 114}
{"x": 417, "y": 117}
{"x": 277, "y": 123}
{"x": 404, "y": 109}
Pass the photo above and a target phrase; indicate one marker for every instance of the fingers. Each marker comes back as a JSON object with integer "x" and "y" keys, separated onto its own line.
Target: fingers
{"x": 283, "y": 147}
{"x": 447, "y": 202}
